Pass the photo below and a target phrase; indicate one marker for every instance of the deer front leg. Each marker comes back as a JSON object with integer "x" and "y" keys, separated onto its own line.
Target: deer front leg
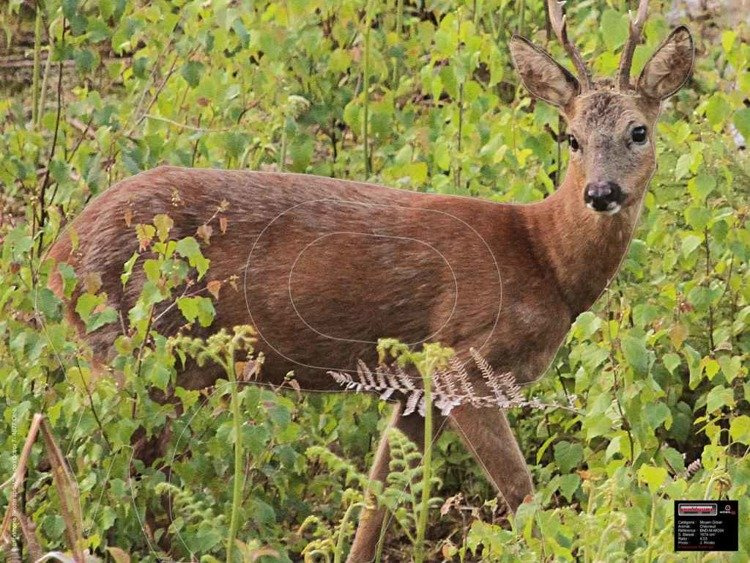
{"x": 487, "y": 435}
{"x": 371, "y": 518}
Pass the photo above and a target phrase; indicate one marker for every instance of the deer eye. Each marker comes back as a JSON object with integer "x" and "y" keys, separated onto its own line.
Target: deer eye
{"x": 573, "y": 142}
{"x": 638, "y": 134}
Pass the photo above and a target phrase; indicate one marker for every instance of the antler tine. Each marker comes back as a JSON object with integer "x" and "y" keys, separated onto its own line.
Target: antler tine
{"x": 634, "y": 36}
{"x": 558, "y": 23}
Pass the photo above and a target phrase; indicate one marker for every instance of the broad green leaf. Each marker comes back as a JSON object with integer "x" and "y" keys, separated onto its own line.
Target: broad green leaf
{"x": 719, "y": 397}
{"x": 569, "y": 485}
{"x": 739, "y": 429}
{"x": 189, "y": 248}
{"x": 742, "y": 122}
{"x": 586, "y": 325}
{"x": 568, "y": 455}
{"x": 652, "y": 476}
{"x": 636, "y": 354}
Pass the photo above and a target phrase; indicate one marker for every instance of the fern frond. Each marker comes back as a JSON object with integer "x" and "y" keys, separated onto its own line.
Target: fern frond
{"x": 451, "y": 386}
{"x": 413, "y": 402}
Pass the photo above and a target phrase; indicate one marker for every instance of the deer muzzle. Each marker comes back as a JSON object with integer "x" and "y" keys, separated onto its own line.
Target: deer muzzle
{"x": 604, "y": 197}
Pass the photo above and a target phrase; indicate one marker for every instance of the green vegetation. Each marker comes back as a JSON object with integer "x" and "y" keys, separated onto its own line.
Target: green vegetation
{"x": 423, "y": 98}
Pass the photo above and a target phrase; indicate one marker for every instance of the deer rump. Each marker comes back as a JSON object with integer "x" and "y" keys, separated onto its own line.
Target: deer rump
{"x": 324, "y": 267}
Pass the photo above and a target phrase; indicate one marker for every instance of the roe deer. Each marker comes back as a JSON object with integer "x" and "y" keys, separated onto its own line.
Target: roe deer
{"x": 330, "y": 266}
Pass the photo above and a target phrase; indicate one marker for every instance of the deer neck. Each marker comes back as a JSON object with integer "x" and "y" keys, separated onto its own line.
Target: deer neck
{"x": 584, "y": 249}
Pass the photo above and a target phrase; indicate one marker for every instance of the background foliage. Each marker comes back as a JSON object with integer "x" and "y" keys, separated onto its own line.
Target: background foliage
{"x": 419, "y": 95}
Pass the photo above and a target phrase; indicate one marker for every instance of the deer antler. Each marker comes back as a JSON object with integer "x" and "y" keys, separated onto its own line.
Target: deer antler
{"x": 626, "y": 59}
{"x": 557, "y": 20}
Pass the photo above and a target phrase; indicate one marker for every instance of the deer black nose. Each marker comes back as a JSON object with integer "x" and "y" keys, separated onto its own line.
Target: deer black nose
{"x": 603, "y": 196}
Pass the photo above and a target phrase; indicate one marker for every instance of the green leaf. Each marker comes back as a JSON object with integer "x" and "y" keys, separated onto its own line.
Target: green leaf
{"x": 200, "y": 308}
{"x": 739, "y": 429}
{"x": 159, "y": 376}
{"x": 697, "y": 217}
{"x": 191, "y": 71}
{"x": 586, "y": 325}
{"x": 636, "y": 354}
{"x": 730, "y": 366}
{"x": 690, "y": 243}
{"x": 718, "y": 398}
{"x": 47, "y": 303}
{"x": 701, "y": 186}
{"x": 189, "y": 248}
{"x": 188, "y": 306}
{"x": 682, "y": 168}
{"x": 652, "y": 476}
{"x": 255, "y": 438}
{"x": 68, "y": 275}
{"x": 127, "y": 269}
{"x": 671, "y": 361}
{"x": 614, "y": 26}
{"x": 657, "y": 414}
{"x": 163, "y": 224}
{"x": 718, "y": 110}
{"x": 695, "y": 365}
{"x": 569, "y": 485}
{"x": 742, "y": 122}
{"x": 568, "y": 455}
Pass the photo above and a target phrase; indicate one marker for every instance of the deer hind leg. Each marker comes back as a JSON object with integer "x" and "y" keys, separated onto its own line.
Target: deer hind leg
{"x": 488, "y": 436}
{"x": 371, "y": 518}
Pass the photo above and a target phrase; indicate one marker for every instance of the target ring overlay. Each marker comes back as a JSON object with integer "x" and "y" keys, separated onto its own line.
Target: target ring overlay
{"x": 328, "y": 276}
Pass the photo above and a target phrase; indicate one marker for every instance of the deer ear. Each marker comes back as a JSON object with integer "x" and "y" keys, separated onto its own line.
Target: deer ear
{"x": 669, "y": 67}
{"x": 542, "y": 76}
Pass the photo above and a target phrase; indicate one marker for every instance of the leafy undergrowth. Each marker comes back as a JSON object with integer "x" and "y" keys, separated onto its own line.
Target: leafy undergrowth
{"x": 658, "y": 370}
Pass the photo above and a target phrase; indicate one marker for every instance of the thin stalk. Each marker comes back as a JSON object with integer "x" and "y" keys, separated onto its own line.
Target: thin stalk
{"x": 399, "y": 17}
{"x": 399, "y": 31}
{"x": 460, "y": 118}
{"x": 340, "y": 541}
{"x": 282, "y": 152}
{"x": 37, "y": 59}
{"x": 707, "y": 245}
{"x": 651, "y": 529}
{"x": 42, "y": 197}
{"x": 381, "y": 540}
{"x": 426, "y": 467}
{"x": 460, "y": 134}
{"x": 616, "y": 387}
{"x": 238, "y": 473}
{"x": 45, "y": 82}
{"x": 366, "y": 93}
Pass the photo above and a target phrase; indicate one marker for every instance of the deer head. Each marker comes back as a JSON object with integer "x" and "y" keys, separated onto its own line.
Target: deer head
{"x": 610, "y": 122}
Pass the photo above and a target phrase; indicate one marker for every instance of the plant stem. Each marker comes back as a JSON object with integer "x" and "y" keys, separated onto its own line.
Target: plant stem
{"x": 707, "y": 245}
{"x": 340, "y": 541}
{"x": 651, "y": 529}
{"x": 37, "y": 58}
{"x": 381, "y": 540}
{"x": 282, "y": 152}
{"x": 460, "y": 134}
{"x": 366, "y": 93}
{"x": 238, "y": 474}
{"x": 399, "y": 31}
{"x": 426, "y": 465}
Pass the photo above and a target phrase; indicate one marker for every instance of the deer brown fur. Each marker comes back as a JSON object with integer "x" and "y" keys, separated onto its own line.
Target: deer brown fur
{"x": 327, "y": 267}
